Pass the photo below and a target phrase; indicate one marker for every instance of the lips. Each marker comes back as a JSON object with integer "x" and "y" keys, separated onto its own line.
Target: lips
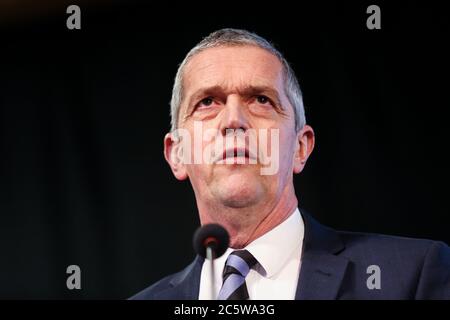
{"x": 234, "y": 153}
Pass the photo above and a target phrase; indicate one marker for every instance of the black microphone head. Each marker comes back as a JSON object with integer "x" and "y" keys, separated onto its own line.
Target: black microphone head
{"x": 213, "y": 236}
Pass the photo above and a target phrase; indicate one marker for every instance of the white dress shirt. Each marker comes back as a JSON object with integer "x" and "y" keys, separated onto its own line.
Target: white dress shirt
{"x": 275, "y": 277}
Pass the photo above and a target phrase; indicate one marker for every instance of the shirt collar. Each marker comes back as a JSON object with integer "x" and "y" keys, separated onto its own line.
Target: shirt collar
{"x": 274, "y": 248}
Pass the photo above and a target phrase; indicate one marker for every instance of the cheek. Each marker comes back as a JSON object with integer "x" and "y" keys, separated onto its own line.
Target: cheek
{"x": 195, "y": 172}
{"x": 286, "y": 149}
{"x": 200, "y": 175}
{"x": 195, "y": 177}
{"x": 283, "y": 139}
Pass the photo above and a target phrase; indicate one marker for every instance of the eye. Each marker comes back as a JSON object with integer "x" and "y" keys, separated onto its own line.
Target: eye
{"x": 262, "y": 99}
{"x": 206, "y": 102}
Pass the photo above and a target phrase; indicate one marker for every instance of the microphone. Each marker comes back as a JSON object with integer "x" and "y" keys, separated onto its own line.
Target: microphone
{"x": 211, "y": 241}
{"x": 212, "y": 236}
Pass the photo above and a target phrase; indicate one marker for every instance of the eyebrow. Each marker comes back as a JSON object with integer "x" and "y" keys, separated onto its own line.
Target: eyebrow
{"x": 246, "y": 91}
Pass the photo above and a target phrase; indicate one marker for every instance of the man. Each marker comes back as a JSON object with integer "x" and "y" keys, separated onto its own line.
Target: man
{"x": 234, "y": 84}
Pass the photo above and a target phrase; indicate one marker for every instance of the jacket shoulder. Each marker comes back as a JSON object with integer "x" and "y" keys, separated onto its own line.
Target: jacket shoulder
{"x": 157, "y": 287}
{"x": 414, "y": 268}
{"x": 413, "y": 251}
{"x": 178, "y": 286}
{"x": 386, "y": 243}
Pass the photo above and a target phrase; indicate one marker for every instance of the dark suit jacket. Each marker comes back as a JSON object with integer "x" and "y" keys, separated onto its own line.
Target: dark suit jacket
{"x": 334, "y": 266}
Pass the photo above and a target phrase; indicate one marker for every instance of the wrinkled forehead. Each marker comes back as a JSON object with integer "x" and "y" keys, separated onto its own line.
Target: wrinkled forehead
{"x": 232, "y": 67}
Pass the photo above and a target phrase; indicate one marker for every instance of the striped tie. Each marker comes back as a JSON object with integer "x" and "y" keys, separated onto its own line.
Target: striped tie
{"x": 236, "y": 268}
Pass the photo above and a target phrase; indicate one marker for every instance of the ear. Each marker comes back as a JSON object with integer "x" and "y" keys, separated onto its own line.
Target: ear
{"x": 304, "y": 147}
{"x": 173, "y": 152}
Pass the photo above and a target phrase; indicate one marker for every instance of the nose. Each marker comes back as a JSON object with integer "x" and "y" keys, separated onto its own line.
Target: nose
{"x": 235, "y": 116}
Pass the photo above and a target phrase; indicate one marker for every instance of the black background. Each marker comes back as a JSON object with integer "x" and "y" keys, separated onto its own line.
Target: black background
{"x": 84, "y": 113}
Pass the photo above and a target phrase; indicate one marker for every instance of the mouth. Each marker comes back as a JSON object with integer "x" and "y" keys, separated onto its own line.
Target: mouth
{"x": 236, "y": 156}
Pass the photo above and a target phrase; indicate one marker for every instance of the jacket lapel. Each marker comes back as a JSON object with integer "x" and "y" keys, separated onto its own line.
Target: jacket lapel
{"x": 322, "y": 270}
{"x": 185, "y": 285}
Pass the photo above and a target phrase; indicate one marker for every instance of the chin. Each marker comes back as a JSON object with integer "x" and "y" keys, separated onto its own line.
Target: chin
{"x": 239, "y": 190}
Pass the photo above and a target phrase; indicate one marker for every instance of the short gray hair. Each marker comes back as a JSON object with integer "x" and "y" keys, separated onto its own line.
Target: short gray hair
{"x": 236, "y": 37}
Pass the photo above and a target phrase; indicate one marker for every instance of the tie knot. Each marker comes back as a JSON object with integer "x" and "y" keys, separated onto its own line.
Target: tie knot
{"x": 239, "y": 262}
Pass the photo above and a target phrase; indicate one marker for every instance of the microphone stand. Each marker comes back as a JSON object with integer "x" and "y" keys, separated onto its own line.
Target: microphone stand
{"x": 210, "y": 256}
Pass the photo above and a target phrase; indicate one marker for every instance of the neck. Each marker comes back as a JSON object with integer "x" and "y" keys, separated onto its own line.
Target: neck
{"x": 249, "y": 223}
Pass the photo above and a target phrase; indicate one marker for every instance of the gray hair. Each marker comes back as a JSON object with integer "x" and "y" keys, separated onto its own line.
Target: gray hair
{"x": 236, "y": 37}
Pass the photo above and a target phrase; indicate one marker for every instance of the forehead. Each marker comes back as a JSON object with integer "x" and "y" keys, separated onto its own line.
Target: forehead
{"x": 232, "y": 67}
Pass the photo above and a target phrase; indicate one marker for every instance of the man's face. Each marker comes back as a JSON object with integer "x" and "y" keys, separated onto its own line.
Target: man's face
{"x": 238, "y": 88}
